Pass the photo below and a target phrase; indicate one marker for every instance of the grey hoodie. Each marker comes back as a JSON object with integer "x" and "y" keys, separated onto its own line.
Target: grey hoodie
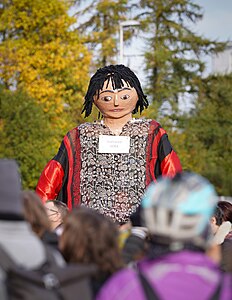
{"x": 16, "y": 236}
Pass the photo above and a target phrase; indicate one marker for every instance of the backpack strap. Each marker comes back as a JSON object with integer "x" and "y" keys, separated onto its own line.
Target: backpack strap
{"x": 152, "y": 295}
{"x": 149, "y": 291}
{"x": 217, "y": 292}
{"x": 49, "y": 254}
{"x": 53, "y": 258}
{"x": 6, "y": 262}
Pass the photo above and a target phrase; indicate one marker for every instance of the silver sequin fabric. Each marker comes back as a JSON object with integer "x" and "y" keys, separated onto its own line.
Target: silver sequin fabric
{"x": 113, "y": 183}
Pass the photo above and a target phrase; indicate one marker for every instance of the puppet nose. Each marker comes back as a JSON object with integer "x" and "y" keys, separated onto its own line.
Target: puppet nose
{"x": 116, "y": 99}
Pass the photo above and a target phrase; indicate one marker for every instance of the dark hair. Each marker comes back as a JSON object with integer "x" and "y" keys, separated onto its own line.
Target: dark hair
{"x": 91, "y": 238}
{"x": 218, "y": 215}
{"x": 160, "y": 246}
{"x": 115, "y": 73}
{"x": 226, "y": 208}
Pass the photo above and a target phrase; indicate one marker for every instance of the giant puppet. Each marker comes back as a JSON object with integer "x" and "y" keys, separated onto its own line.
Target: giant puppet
{"x": 107, "y": 164}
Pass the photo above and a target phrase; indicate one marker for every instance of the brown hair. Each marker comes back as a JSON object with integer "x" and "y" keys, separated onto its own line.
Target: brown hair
{"x": 226, "y": 208}
{"x": 35, "y": 213}
{"x": 89, "y": 237}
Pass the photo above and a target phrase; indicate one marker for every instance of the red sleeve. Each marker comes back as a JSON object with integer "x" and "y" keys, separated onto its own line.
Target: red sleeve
{"x": 50, "y": 181}
{"x": 171, "y": 165}
{"x": 165, "y": 161}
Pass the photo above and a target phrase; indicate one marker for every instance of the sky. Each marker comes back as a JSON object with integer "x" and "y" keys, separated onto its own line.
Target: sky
{"x": 217, "y": 20}
{"x": 216, "y": 23}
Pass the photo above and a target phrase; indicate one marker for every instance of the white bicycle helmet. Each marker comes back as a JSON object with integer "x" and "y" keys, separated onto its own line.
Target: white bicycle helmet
{"x": 179, "y": 208}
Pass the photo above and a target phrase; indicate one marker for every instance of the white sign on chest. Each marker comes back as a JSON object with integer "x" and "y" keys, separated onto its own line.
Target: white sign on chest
{"x": 114, "y": 144}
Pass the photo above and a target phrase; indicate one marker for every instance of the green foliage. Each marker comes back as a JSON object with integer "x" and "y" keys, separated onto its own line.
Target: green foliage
{"x": 206, "y": 144}
{"x": 25, "y": 134}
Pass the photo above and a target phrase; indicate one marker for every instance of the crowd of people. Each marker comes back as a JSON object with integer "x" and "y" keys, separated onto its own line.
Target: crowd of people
{"x": 115, "y": 199}
{"x": 171, "y": 250}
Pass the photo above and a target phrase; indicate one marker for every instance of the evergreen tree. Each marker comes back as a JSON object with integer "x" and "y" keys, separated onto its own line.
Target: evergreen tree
{"x": 173, "y": 56}
{"x": 100, "y": 27}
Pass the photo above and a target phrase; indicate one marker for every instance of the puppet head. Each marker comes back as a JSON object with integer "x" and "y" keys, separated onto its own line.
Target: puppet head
{"x": 118, "y": 76}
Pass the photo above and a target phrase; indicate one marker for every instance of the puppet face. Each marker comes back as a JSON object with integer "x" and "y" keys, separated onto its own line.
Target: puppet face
{"x": 116, "y": 103}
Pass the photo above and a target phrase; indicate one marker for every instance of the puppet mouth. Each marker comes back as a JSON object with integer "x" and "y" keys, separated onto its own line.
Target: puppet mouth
{"x": 116, "y": 110}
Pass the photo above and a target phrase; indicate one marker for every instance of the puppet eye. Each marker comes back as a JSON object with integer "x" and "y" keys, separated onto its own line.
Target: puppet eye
{"x": 106, "y": 98}
{"x": 125, "y": 97}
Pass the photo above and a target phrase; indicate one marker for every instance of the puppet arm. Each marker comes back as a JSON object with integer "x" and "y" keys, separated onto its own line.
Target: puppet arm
{"x": 171, "y": 165}
{"x": 51, "y": 179}
{"x": 165, "y": 161}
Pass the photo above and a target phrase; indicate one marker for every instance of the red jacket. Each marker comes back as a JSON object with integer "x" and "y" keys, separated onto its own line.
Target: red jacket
{"x": 61, "y": 176}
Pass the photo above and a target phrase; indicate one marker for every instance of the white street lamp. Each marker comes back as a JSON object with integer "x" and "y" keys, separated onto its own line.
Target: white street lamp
{"x": 121, "y": 26}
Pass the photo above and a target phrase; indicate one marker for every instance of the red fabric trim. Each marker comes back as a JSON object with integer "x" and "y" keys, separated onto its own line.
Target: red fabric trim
{"x": 151, "y": 153}
{"x": 50, "y": 181}
{"x": 70, "y": 171}
{"x": 75, "y": 140}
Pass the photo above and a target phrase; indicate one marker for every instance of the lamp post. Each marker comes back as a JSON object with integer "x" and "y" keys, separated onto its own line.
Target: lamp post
{"x": 121, "y": 26}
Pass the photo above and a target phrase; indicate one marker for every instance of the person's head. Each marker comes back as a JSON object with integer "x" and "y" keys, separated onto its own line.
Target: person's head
{"x": 177, "y": 210}
{"x": 226, "y": 208}
{"x": 216, "y": 219}
{"x": 35, "y": 213}
{"x": 56, "y": 211}
{"x": 224, "y": 228}
{"x": 111, "y": 84}
{"x": 91, "y": 238}
{"x": 11, "y": 207}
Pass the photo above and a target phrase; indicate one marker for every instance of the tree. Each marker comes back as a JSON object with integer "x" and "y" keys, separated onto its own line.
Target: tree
{"x": 208, "y": 133}
{"x": 25, "y": 134}
{"x": 100, "y": 27}
{"x": 174, "y": 50}
{"x": 41, "y": 54}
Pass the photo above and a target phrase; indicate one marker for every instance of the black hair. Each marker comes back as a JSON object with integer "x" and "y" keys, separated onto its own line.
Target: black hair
{"x": 115, "y": 73}
{"x": 160, "y": 245}
{"x": 218, "y": 215}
